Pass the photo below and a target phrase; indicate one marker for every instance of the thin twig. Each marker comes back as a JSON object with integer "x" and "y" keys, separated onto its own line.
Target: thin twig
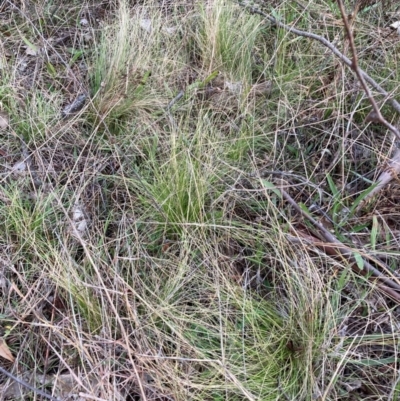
{"x": 331, "y": 47}
{"x": 376, "y": 115}
{"x": 393, "y": 168}
{"x": 392, "y": 171}
{"x": 341, "y": 249}
{"x": 175, "y": 99}
{"x": 330, "y": 250}
{"x": 27, "y": 385}
{"x": 47, "y": 43}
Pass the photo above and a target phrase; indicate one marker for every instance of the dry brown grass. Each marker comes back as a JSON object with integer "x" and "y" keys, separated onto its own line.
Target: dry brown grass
{"x": 145, "y": 251}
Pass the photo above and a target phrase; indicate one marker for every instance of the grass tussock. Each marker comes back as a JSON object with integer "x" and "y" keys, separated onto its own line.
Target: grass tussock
{"x": 145, "y": 252}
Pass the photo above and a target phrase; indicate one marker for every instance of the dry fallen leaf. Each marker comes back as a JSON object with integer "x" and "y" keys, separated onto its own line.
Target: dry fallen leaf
{"x": 234, "y": 87}
{"x": 19, "y": 168}
{"x": 372, "y": 117}
{"x": 396, "y": 26}
{"x": 145, "y": 24}
{"x": 77, "y": 213}
{"x": 5, "y": 351}
{"x": 3, "y": 120}
{"x": 261, "y": 88}
{"x": 169, "y": 30}
{"x": 31, "y": 51}
{"x": 75, "y": 106}
{"x": 79, "y": 221}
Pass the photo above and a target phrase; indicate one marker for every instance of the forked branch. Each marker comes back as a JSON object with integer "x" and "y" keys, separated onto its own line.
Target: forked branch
{"x": 333, "y": 247}
{"x": 393, "y": 102}
{"x": 375, "y": 115}
{"x": 393, "y": 167}
{"x": 327, "y": 241}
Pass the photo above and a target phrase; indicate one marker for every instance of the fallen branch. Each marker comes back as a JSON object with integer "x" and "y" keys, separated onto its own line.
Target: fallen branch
{"x": 391, "y": 172}
{"x": 333, "y": 247}
{"x": 393, "y": 102}
{"x": 330, "y": 250}
{"x": 375, "y": 115}
{"x": 23, "y": 383}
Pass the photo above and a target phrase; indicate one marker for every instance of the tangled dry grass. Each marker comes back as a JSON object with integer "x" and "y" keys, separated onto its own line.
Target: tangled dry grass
{"x": 147, "y": 251}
